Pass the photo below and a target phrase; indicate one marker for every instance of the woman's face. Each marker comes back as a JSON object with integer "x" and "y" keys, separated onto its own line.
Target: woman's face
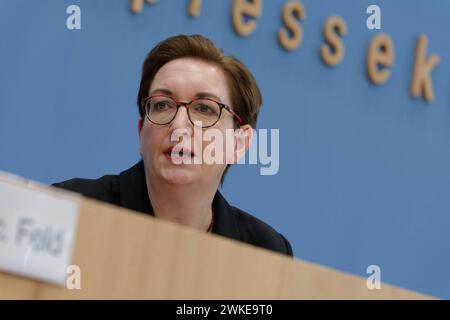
{"x": 185, "y": 79}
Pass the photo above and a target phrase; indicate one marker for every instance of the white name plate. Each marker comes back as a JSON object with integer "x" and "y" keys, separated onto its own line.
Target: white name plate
{"x": 37, "y": 231}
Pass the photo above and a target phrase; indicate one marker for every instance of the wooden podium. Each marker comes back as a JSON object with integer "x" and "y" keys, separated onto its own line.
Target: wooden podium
{"x": 127, "y": 255}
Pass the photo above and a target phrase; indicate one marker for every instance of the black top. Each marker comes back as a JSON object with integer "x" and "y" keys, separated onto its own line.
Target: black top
{"x": 129, "y": 190}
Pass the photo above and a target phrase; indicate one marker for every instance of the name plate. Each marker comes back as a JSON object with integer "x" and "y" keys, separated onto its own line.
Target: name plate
{"x": 37, "y": 231}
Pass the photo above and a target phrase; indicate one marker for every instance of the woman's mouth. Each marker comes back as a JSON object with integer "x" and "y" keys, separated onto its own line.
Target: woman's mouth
{"x": 178, "y": 153}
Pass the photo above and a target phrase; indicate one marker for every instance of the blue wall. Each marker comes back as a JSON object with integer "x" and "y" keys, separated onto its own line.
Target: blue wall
{"x": 364, "y": 171}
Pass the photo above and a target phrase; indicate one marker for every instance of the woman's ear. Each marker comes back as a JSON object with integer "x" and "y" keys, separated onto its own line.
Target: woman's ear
{"x": 242, "y": 140}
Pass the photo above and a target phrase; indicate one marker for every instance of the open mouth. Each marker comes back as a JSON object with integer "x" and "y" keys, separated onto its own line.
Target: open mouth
{"x": 178, "y": 152}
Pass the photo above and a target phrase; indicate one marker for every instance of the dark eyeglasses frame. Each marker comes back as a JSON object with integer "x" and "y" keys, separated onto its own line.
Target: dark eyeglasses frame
{"x": 187, "y": 105}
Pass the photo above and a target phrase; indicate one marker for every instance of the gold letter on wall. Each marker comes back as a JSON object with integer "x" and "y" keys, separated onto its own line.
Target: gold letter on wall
{"x": 136, "y": 5}
{"x": 194, "y": 8}
{"x": 334, "y": 53}
{"x": 380, "y": 53}
{"x": 250, "y": 8}
{"x": 421, "y": 81}
{"x": 292, "y": 10}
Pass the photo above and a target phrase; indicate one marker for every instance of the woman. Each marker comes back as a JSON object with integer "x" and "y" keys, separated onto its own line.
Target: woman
{"x": 188, "y": 86}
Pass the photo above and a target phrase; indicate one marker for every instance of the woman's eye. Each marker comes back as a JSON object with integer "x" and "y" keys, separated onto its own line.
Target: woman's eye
{"x": 204, "y": 108}
{"x": 160, "y": 105}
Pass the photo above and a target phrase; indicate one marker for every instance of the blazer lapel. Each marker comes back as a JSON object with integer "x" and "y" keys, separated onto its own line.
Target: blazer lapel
{"x": 225, "y": 221}
{"x": 133, "y": 189}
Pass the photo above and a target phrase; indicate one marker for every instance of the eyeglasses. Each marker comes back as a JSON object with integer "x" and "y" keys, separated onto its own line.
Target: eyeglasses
{"x": 161, "y": 109}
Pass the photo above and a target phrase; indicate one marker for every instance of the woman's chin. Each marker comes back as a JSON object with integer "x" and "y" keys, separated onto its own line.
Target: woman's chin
{"x": 178, "y": 175}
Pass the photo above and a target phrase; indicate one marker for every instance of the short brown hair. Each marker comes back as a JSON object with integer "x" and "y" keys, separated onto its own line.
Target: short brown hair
{"x": 245, "y": 95}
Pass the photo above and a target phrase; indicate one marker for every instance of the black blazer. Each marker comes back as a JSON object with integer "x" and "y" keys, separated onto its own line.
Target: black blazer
{"x": 129, "y": 190}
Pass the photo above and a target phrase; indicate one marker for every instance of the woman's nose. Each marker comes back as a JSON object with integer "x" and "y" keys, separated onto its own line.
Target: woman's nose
{"x": 181, "y": 118}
